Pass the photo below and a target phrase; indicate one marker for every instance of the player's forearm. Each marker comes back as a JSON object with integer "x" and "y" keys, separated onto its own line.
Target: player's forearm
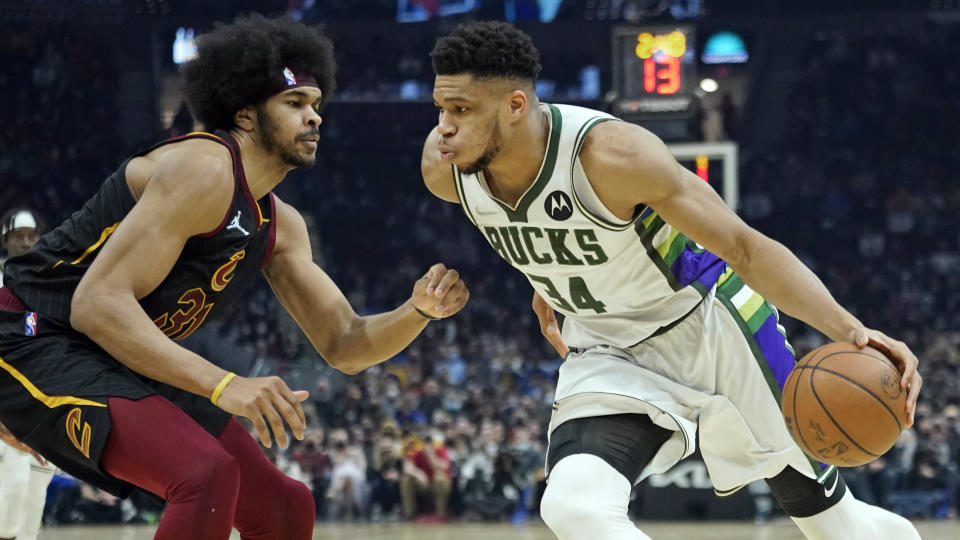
{"x": 117, "y": 323}
{"x": 376, "y": 338}
{"x": 783, "y": 280}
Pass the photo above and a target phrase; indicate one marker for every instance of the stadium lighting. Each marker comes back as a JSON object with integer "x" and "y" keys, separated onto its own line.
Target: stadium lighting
{"x": 709, "y": 85}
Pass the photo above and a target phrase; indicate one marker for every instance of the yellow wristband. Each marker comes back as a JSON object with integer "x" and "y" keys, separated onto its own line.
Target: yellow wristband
{"x": 223, "y": 384}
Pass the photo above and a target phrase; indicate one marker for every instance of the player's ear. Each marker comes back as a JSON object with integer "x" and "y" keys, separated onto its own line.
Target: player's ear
{"x": 246, "y": 118}
{"x": 518, "y": 102}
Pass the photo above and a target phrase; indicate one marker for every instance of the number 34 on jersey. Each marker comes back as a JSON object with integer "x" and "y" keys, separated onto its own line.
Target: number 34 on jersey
{"x": 525, "y": 245}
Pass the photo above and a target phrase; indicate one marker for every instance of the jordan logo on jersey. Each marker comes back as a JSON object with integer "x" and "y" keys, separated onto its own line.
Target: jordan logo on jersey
{"x": 558, "y": 206}
{"x": 235, "y": 224}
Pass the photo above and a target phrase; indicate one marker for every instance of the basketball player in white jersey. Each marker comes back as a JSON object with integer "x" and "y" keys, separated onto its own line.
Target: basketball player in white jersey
{"x": 24, "y": 475}
{"x": 666, "y": 333}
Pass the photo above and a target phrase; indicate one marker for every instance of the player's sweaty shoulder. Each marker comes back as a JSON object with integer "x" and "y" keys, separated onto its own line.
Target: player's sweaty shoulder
{"x": 625, "y": 164}
{"x": 623, "y": 145}
{"x": 194, "y": 164}
{"x": 437, "y": 174}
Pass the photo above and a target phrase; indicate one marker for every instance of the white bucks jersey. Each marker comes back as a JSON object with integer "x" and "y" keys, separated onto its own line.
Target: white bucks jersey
{"x": 614, "y": 282}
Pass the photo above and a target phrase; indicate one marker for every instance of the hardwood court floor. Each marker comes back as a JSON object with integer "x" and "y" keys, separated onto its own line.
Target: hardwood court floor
{"x": 775, "y": 530}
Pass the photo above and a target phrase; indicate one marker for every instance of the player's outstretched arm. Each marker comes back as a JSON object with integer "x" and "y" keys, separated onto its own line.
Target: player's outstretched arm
{"x": 347, "y": 341}
{"x": 629, "y": 166}
{"x": 184, "y": 193}
{"x": 437, "y": 174}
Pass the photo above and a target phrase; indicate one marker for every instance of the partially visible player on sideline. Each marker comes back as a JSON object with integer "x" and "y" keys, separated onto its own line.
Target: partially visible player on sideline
{"x": 24, "y": 476}
{"x": 90, "y": 376}
{"x": 654, "y": 275}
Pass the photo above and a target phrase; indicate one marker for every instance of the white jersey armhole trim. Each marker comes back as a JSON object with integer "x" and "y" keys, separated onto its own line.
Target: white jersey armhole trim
{"x": 584, "y": 195}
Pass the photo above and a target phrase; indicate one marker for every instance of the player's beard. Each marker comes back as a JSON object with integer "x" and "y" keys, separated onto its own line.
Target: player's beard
{"x": 490, "y": 152}
{"x": 270, "y": 132}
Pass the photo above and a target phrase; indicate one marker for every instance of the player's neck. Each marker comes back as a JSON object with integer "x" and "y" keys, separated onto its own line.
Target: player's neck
{"x": 515, "y": 168}
{"x": 263, "y": 169}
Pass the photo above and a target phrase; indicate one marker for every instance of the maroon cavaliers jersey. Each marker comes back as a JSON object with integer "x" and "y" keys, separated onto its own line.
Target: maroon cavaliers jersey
{"x": 212, "y": 270}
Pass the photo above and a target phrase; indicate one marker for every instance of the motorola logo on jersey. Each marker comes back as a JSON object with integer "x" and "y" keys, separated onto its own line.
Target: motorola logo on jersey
{"x": 558, "y": 206}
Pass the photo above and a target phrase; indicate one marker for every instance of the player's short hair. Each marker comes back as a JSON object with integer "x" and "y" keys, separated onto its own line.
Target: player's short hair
{"x": 239, "y": 65}
{"x": 487, "y": 50}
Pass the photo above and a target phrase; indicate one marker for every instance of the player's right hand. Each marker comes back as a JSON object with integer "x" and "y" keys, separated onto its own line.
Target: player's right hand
{"x": 899, "y": 354}
{"x": 548, "y": 324}
{"x": 266, "y": 400}
{"x": 440, "y": 292}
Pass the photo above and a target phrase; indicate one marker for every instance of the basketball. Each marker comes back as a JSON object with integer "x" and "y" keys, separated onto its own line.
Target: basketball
{"x": 844, "y": 405}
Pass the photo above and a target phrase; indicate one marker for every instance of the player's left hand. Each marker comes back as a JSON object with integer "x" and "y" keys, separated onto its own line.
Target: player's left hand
{"x": 440, "y": 292}
{"x": 548, "y": 324}
{"x": 899, "y": 354}
{"x": 12, "y": 442}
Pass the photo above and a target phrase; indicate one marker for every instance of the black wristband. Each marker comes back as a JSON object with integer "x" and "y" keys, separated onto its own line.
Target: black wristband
{"x": 426, "y": 315}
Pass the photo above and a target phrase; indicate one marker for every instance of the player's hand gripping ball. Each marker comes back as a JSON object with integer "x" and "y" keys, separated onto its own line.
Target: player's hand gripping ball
{"x": 844, "y": 405}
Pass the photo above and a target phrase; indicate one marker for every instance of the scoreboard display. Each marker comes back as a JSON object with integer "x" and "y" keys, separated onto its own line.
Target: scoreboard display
{"x": 654, "y": 71}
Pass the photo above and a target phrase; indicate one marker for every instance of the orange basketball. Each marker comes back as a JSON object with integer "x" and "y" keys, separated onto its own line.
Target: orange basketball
{"x": 844, "y": 405}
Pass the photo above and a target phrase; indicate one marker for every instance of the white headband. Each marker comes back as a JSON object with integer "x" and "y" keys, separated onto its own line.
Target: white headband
{"x": 24, "y": 219}
{"x": 21, "y": 220}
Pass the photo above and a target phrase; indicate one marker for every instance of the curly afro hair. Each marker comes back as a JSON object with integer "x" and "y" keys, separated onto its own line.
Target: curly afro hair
{"x": 238, "y": 65}
{"x": 487, "y": 50}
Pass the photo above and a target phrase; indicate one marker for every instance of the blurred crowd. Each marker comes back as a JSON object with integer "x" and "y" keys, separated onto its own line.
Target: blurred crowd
{"x": 862, "y": 187}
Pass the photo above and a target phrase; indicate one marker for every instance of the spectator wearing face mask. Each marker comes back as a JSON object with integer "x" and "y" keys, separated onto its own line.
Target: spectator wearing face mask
{"x": 426, "y": 470}
{"x": 348, "y": 483}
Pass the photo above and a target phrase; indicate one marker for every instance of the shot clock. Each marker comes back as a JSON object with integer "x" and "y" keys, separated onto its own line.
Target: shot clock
{"x": 654, "y": 71}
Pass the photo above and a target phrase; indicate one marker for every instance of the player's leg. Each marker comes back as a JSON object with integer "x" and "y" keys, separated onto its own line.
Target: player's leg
{"x": 829, "y": 511}
{"x": 156, "y": 446}
{"x": 14, "y": 482}
{"x": 593, "y": 463}
{"x": 754, "y": 359}
{"x": 40, "y": 476}
{"x": 271, "y": 504}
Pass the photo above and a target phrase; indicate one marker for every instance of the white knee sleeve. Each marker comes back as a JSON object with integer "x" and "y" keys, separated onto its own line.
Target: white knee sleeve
{"x": 14, "y": 485}
{"x": 587, "y": 499}
{"x": 851, "y": 519}
{"x": 36, "y": 499}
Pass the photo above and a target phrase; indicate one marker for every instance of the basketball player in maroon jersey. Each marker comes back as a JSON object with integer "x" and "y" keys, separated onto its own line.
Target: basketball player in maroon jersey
{"x": 89, "y": 373}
